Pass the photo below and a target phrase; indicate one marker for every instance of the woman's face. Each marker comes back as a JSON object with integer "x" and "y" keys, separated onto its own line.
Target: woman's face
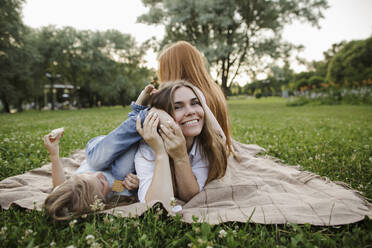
{"x": 188, "y": 112}
{"x": 98, "y": 180}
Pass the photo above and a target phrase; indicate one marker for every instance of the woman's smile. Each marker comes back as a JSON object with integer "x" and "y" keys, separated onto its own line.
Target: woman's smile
{"x": 188, "y": 112}
{"x": 190, "y": 123}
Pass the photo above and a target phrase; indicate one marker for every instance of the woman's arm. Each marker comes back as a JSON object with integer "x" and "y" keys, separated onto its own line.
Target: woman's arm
{"x": 58, "y": 174}
{"x": 161, "y": 187}
{"x": 175, "y": 145}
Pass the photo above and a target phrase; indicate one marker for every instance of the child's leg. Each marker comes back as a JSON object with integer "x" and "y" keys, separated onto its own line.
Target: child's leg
{"x": 124, "y": 164}
{"x": 102, "y": 151}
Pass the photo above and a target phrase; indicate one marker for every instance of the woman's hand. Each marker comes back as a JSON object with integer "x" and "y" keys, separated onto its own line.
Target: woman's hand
{"x": 144, "y": 97}
{"x": 131, "y": 182}
{"x": 150, "y": 133}
{"x": 174, "y": 141}
{"x": 175, "y": 145}
{"x": 52, "y": 145}
{"x": 164, "y": 117}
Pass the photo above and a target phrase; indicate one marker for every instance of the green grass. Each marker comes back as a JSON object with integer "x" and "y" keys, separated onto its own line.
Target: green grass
{"x": 333, "y": 141}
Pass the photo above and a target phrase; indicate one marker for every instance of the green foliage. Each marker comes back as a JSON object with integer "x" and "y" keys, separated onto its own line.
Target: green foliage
{"x": 333, "y": 141}
{"x": 315, "y": 82}
{"x": 11, "y": 39}
{"x": 105, "y": 67}
{"x": 236, "y": 35}
{"x": 335, "y": 96}
{"x": 353, "y": 62}
{"x": 277, "y": 81}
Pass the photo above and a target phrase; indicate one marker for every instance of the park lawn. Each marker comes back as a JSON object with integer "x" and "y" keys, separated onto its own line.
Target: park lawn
{"x": 333, "y": 141}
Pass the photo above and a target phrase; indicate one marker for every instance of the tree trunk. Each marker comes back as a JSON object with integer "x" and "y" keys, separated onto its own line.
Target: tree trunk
{"x": 224, "y": 87}
{"x": 5, "y": 105}
{"x": 19, "y": 106}
{"x": 40, "y": 103}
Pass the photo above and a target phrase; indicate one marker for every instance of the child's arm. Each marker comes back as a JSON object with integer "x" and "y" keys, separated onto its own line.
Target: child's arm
{"x": 52, "y": 145}
{"x": 131, "y": 182}
{"x": 144, "y": 97}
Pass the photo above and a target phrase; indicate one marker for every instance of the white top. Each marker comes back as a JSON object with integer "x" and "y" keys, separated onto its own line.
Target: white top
{"x": 145, "y": 162}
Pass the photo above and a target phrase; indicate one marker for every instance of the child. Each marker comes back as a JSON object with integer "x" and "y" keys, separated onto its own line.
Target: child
{"x": 108, "y": 158}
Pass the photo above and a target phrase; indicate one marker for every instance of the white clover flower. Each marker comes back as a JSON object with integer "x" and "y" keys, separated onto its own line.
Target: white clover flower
{"x": 95, "y": 245}
{"x": 200, "y": 241}
{"x": 97, "y": 204}
{"x": 89, "y": 236}
{"x": 222, "y": 233}
{"x": 72, "y": 223}
{"x": 52, "y": 244}
{"x": 28, "y": 232}
{"x": 189, "y": 245}
{"x": 70, "y": 246}
{"x": 159, "y": 211}
{"x": 173, "y": 201}
{"x": 3, "y": 230}
{"x": 90, "y": 239}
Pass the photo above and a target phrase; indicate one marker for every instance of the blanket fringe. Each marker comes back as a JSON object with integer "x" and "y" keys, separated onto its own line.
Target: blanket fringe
{"x": 367, "y": 201}
{"x": 307, "y": 176}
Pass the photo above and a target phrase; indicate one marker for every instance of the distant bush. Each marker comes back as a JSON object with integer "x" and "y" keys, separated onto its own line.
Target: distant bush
{"x": 334, "y": 95}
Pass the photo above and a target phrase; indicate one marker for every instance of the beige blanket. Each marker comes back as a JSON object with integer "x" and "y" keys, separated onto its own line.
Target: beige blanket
{"x": 257, "y": 189}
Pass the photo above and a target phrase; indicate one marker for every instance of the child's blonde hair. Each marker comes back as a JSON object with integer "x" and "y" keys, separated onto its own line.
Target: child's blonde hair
{"x": 72, "y": 198}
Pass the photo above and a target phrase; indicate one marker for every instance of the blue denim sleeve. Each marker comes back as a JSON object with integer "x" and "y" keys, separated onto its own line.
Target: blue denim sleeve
{"x": 103, "y": 150}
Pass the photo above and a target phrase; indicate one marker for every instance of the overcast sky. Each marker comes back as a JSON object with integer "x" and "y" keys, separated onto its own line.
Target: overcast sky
{"x": 344, "y": 20}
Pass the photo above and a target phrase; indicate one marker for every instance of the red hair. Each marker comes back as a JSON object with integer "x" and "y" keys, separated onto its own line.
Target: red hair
{"x": 182, "y": 61}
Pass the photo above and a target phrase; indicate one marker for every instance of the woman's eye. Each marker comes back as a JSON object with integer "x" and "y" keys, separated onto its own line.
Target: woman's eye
{"x": 196, "y": 103}
{"x": 177, "y": 107}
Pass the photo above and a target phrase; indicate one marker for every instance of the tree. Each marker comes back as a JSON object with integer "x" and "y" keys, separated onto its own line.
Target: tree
{"x": 321, "y": 67}
{"x": 353, "y": 62}
{"x": 11, "y": 29}
{"x": 235, "y": 35}
{"x": 113, "y": 69}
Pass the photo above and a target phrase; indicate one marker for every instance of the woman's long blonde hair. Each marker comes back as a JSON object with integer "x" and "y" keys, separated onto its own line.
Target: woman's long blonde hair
{"x": 212, "y": 145}
{"x": 72, "y": 198}
{"x": 182, "y": 61}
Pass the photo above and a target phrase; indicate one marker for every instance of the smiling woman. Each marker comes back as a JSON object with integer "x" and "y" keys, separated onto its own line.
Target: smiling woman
{"x": 196, "y": 148}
